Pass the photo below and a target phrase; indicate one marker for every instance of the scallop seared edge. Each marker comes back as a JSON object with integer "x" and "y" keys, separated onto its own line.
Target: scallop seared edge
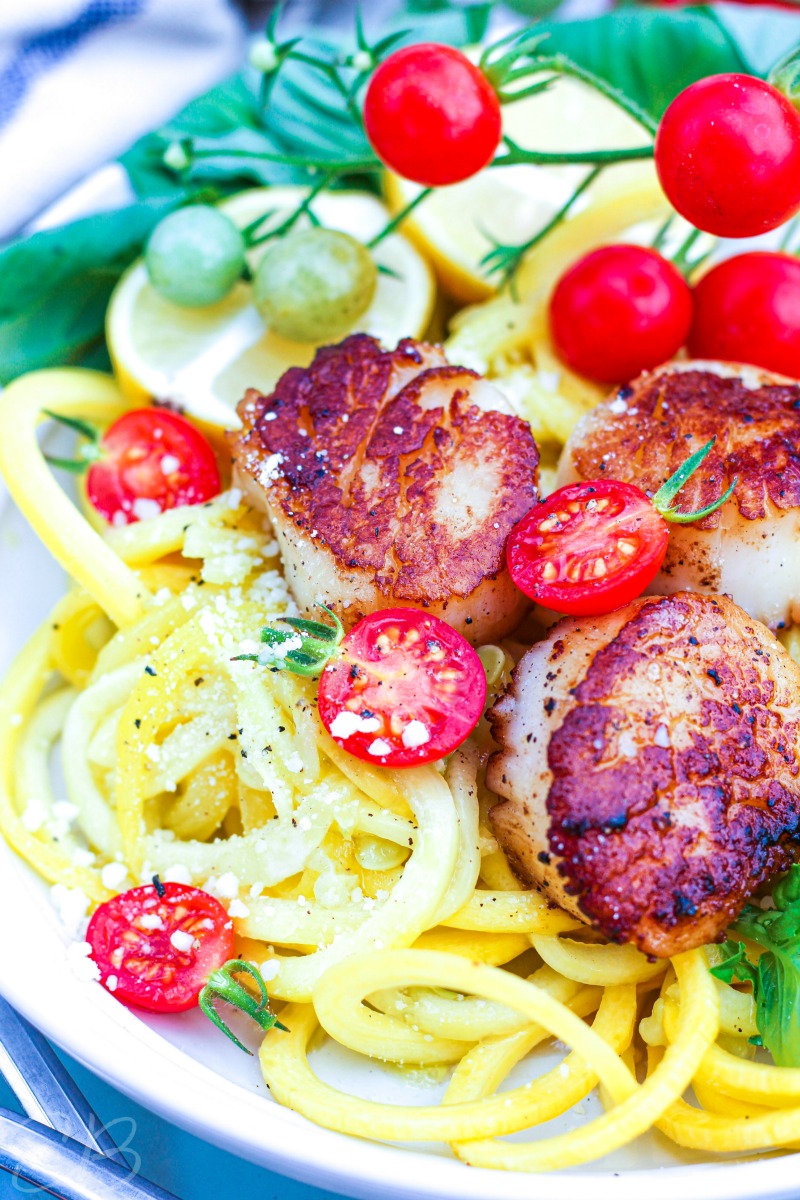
{"x": 649, "y": 761}
{"x": 642, "y": 434}
{"x": 391, "y": 478}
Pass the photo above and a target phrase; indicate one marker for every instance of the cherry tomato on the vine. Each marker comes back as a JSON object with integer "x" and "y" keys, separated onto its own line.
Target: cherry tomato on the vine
{"x": 404, "y": 688}
{"x": 431, "y": 115}
{"x": 148, "y": 461}
{"x": 589, "y": 548}
{"x": 747, "y": 309}
{"x": 155, "y": 948}
{"x": 618, "y": 311}
{"x": 727, "y": 154}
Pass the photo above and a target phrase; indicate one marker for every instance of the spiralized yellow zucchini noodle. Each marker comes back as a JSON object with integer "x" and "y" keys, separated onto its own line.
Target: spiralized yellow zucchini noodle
{"x": 376, "y": 902}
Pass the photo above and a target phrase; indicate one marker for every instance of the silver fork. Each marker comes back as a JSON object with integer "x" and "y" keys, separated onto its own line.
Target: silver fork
{"x": 60, "y": 1145}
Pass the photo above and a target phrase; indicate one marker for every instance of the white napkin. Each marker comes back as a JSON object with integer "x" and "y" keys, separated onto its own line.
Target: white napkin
{"x": 82, "y": 79}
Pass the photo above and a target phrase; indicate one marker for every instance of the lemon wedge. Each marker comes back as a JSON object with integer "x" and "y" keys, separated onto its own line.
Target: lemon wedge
{"x": 455, "y": 227}
{"x": 204, "y": 359}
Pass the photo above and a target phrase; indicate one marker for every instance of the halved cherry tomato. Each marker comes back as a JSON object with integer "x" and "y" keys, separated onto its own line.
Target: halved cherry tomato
{"x": 589, "y": 548}
{"x": 431, "y": 115}
{"x": 156, "y": 951}
{"x": 148, "y": 461}
{"x": 404, "y": 689}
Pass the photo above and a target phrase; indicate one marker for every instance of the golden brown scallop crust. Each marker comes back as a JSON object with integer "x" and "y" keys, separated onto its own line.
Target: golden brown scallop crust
{"x": 362, "y": 466}
{"x": 648, "y": 429}
{"x": 674, "y": 774}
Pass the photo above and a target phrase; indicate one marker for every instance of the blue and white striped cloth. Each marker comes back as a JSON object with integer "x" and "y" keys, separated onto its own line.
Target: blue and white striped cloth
{"x": 81, "y": 79}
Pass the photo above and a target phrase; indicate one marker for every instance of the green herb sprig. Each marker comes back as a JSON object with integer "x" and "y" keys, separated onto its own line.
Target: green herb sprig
{"x": 775, "y": 977}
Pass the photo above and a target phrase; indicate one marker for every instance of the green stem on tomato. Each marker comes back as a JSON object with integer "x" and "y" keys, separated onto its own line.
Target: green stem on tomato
{"x": 87, "y": 454}
{"x": 332, "y": 72}
{"x": 398, "y": 218}
{"x": 354, "y": 166}
{"x": 222, "y": 985}
{"x": 285, "y": 226}
{"x": 788, "y": 235}
{"x": 561, "y": 65}
{"x": 508, "y": 258}
{"x": 317, "y": 644}
{"x": 662, "y": 501}
{"x": 75, "y": 424}
{"x": 662, "y": 233}
{"x": 515, "y": 155}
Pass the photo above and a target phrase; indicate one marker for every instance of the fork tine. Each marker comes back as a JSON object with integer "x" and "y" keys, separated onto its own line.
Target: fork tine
{"x": 64, "y": 1168}
{"x": 44, "y": 1088}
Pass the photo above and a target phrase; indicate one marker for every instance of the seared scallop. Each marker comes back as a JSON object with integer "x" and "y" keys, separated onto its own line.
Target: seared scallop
{"x": 649, "y": 766}
{"x": 749, "y": 548}
{"x": 391, "y": 478}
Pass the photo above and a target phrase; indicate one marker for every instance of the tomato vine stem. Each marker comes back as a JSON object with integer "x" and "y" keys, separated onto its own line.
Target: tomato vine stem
{"x": 516, "y": 68}
{"x": 222, "y": 985}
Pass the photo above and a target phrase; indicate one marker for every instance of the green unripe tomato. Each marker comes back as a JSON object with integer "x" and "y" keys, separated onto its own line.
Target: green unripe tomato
{"x": 313, "y": 285}
{"x": 194, "y": 256}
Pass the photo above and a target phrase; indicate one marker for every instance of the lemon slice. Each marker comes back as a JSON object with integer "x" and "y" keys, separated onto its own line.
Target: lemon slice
{"x": 456, "y": 226}
{"x": 203, "y": 359}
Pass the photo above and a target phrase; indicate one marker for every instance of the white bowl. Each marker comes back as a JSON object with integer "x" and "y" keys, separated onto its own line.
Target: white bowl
{"x": 184, "y": 1070}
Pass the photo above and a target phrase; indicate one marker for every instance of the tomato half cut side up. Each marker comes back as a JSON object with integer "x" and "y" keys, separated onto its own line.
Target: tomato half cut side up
{"x": 589, "y": 548}
{"x": 151, "y": 460}
{"x": 405, "y": 689}
{"x": 156, "y": 947}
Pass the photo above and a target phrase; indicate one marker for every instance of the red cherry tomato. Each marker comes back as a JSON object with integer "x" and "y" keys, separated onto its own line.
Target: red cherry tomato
{"x": 151, "y": 460}
{"x": 589, "y": 548}
{"x": 728, "y": 155}
{"x": 747, "y": 309}
{"x": 431, "y": 116}
{"x": 138, "y": 938}
{"x": 618, "y": 311}
{"x": 405, "y": 689}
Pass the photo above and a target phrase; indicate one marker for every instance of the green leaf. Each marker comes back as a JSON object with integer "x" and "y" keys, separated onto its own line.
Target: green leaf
{"x": 785, "y": 76}
{"x": 650, "y": 54}
{"x": 55, "y": 285}
{"x": 736, "y": 966}
{"x": 305, "y": 115}
{"x": 776, "y": 977}
{"x": 443, "y": 21}
{"x": 534, "y": 8}
{"x": 762, "y": 34}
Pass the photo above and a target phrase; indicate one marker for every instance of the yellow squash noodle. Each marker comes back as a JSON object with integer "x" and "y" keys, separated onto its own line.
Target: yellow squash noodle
{"x": 69, "y": 537}
{"x": 293, "y": 1083}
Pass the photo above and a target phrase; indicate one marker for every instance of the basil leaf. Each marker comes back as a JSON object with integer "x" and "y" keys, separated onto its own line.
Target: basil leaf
{"x": 305, "y": 115}
{"x": 736, "y": 965}
{"x": 776, "y": 976}
{"x": 761, "y": 35}
{"x": 443, "y": 21}
{"x": 650, "y": 54}
{"x": 55, "y": 286}
{"x": 778, "y": 1005}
